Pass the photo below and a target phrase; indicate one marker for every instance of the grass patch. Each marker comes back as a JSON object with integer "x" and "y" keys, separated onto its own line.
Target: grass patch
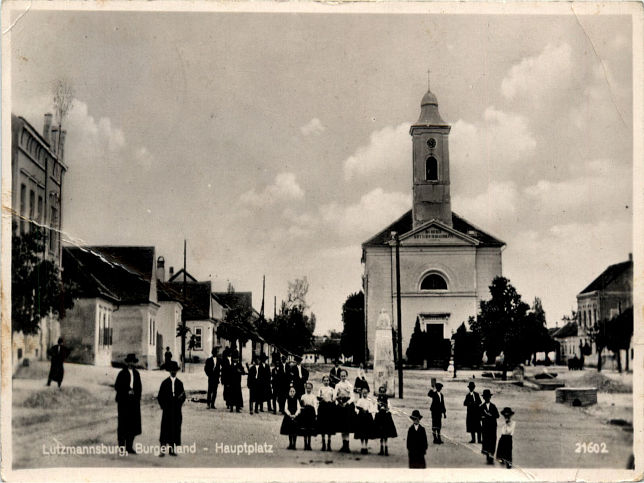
{"x": 602, "y": 383}
{"x": 54, "y": 398}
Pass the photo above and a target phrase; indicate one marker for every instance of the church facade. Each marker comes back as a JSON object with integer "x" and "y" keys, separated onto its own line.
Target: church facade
{"x": 446, "y": 263}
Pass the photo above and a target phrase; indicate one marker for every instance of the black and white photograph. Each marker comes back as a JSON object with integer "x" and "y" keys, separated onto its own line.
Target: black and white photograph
{"x": 354, "y": 241}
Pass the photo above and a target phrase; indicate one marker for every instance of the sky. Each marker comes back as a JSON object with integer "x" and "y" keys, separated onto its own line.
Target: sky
{"x": 276, "y": 143}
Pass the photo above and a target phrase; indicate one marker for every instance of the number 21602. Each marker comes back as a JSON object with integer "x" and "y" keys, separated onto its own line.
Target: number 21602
{"x": 590, "y": 447}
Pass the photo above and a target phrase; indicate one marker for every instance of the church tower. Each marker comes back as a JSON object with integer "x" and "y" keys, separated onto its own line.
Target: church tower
{"x": 430, "y": 165}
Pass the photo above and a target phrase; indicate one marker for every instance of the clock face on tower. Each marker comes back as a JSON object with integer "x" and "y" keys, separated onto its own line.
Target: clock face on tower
{"x": 431, "y": 143}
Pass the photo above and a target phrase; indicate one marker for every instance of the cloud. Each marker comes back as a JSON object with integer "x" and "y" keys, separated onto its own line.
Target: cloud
{"x": 370, "y": 214}
{"x": 314, "y": 126}
{"x": 549, "y": 71}
{"x": 284, "y": 188}
{"x": 388, "y": 150}
{"x": 493, "y": 209}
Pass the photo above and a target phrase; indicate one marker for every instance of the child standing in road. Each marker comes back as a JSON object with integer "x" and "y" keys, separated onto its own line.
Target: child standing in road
{"x": 326, "y": 413}
{"x": 384, "y": 427}
{"x": 504, "y": 448}
{"x": 364, "y": 420}
{"x": 289, "y": 424}
{"x": 416, "y": 441}
{"x": 307, "y": 416}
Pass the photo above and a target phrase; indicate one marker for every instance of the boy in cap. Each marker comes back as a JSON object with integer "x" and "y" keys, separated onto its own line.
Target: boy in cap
{"x": 438, "y": 411}
{"x": 489, "y": 415}
{"x": 473, "y": 419}
{"x": 416, "y": 441}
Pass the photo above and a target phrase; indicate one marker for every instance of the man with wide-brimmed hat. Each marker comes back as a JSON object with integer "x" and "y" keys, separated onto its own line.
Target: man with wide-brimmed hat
{"x": 489, "y": 415}
{"x": 299, "y": 377}
{"x": 128, "y": 399}
{"x": 171, "y": 397}
{"x": 416, "y": 441}
{"x": 473, "y": 419}
{"x": 437, "y": 408}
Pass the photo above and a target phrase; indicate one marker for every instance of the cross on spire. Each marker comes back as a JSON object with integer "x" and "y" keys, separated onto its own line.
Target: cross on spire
{"x": 428, "y": 72}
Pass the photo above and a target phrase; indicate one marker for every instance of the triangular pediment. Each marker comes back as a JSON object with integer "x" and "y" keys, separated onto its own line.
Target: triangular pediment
{"x": 435, "y": 232}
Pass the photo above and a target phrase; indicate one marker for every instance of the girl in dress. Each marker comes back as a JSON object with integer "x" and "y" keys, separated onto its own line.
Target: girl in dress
{"x": 383, "y": 422}
{"x": 504, "y": 448}
{"x": 364, "y": 421}
{"x": 345, "y": 410}
{"x": 289, "y": 424}
{"x": 326, "y": 413}
{"x": 307, "y": 416}
{"x": 360, "y": 382}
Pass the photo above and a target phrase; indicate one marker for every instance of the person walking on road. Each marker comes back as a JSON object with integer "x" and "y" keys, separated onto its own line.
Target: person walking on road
{"x": 504, "y": 449}
{"x": 128, "y": 403}
{"x": 438, "y": 411}
{"x": 58, "y": 354}
{"x": 171, "y": 398}
{"x": 473, "y": 419}
{"x": 489, "y": 415}
{"x": 213, "y": 372}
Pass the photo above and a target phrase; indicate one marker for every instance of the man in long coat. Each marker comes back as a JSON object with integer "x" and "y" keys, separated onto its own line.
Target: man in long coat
{"x": 489, "y": 415}
{"x": 473, "y": 419}
{"x": 128, "y": 399}
{"x": 213, "y": 371}
{"x": 254, "y": 386}
{"x": 266, "y": 393}
{"x": 416, "y": 441}
{"x": 57, "y": 353}
{"x": 226, "y": 368}
{"x": 280, "y": 382}
{"x": 171, "y": 397}
{"x": 299, "y": 377}
{"x": 438, "y": 411}
{"x": 232, "y": 384}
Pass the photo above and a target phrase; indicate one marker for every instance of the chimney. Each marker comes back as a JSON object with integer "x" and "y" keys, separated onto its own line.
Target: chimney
{"x": 54, "y": 139}
{"x": 161, "y": 269}
{"x": 47, "y": 128}
{"x": 630, "y": 257}
{"x": 61, "y": 146}
{"x": 170, "y": 272}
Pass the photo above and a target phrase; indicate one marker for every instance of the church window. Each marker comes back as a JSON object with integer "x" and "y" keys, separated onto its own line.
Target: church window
{"x": 433, "y": 281}
{"x": 431, "y": 169}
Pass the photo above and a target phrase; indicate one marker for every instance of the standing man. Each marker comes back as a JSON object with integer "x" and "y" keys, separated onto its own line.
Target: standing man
{"x": 253, "y": 383}
{"x": 128, "y": 400}
{"x": 213, "y": 371}
{"x": 438, "y": 411}
{"x": 265, "y": 383}
{"x": 280, "y": 382}
{"x": 334, "y": 373}
{"x": 416, "y": 441}
{"x": 473, "y": 419}
{"x": 171, "y": 397}
{"x": 226, "y": 368}
{"x": 489, "y": 415}
{"x": 167, "y": 357}
{"x": 57, "y": 353}
{"x": 299, "y": 377}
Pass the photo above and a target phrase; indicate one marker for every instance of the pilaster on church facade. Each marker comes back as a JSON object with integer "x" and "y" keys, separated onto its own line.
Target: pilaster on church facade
{"x": 446, "y": 263}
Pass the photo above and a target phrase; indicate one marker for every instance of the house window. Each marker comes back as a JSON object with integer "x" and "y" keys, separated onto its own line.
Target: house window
{"x": 431, "y": 169}
{"x": 198, "y": 338}
{"x": 433, "y": 281}
{"x": 152, "y": 331}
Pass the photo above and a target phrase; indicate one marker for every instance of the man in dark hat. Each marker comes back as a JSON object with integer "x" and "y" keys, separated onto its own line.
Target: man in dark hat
{"x": 280, "y": 382}
{"x": 226, "y": 368}
{"x": 253, "y": 383}
{"x": 473, "y": 419}
{"x": 57, "y": 353}
{"x": 299, "y": 377}
{"x": 213, "y": 371}
{"x": 489, "y": 415}
{"x": 438, "y": 411}
{"x": 232, "y": 387}
{"x": 334, "y": 373}
{"x": 128, "y": 400}
{"x": 266, "y": 393}
{"x": 171, "y": 397}
{"x": 416, "y": 441}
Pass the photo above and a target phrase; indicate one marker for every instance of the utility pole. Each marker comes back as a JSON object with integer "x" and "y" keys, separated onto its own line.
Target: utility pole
{"x": 398, "y": 317}
{"x": 183, "y": 317}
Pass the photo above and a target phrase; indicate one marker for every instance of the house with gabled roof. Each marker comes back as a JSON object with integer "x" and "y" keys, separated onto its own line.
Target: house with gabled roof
{"x": 446, "y": 263}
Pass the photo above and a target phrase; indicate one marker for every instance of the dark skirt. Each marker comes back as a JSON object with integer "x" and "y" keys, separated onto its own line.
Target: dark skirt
{"x": 384, "y": 426}
{"x": 504, "y": 449}
{"x": 233, "y": 395}
{"x": 363, "y": 427}
{"x": 345, "y": 418}
{"x": 289, "y": 425}
{"x": 306, "y": 421}
{"x": 473, "y": 421}
{"x": 56, "y": 372}
{"x": 129, "y": 417}
{"x": 326, "y": 418}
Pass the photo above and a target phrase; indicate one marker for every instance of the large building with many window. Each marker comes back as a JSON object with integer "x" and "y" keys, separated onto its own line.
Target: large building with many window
{"x": 446, "y": 263}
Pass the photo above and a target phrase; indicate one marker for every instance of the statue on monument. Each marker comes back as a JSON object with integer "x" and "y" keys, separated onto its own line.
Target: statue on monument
{"x": 383, "y": 361}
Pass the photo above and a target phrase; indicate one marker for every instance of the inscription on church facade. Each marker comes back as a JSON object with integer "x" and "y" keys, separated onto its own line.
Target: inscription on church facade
{"x": 433, "y": 233}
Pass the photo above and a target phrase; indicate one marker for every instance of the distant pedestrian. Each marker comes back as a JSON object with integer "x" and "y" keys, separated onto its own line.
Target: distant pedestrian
{"x": 384, "y": 427}
{"x": 265, "y": 391}
{"x": 308, "y": 415}
{"x": 473, "y": 418}
{"x": 128, "y": 403}
{"x": 171, "y": 398}
{"x": 504, "y": 449}
{"x": 334, "y": 373}
{"x": 234, "y": 393}
{"x": 489, "y": 415}
{"x": 213, "y": 372}
{"x": 289, "y": 424}
{"x": 360, "y": 383}
{"x": 252, "y": 381}
{"x": 416, "y": 441}
{"x": 363, "y": 428}
{"x": 277, "y": 381}
{"x": 167, "y": 357}
{"x": 226, "y": 375}
{"x": 345, "y": 410}
{"x": 57, "y": 354}
{"x": 326, "y": 413}
{"x": 438, "y": 411}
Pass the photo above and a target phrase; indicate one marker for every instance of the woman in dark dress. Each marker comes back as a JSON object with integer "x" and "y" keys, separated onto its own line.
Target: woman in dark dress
{"x": 363, "y": 429}
{"x": 289, "y": 423}
{"x": 504, "y": 448}
{"x": 384, "y": 427}
{"x": 360, "y": 383}
{"x": 326, "y": 413}
{"x": 345, "y": 410}
{"x": 307, "y": 417}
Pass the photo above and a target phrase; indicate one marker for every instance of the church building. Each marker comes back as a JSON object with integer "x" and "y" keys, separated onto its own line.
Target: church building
{"x": 446, "y": 263}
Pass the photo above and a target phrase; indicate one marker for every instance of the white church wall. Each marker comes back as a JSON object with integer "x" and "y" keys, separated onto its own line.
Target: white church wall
{"x": 488, "y": 266}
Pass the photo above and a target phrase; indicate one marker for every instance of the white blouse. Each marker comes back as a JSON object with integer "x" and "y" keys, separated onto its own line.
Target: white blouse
{"x": 326, "y": 393}
{"x": 365, "y": 404}
{"x": 507, "y": 428}
{"x": 343, "y": 389}
{"x": 309, "y": 400}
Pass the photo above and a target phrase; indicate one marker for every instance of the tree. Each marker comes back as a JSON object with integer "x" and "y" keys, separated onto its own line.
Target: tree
{"x": 237, "y": 326}
{"x": 353, "y": 334}
{"x": 417, "y": 350}
{"x": 330, "y": 349}
{"x": 502, "y": 324}
{"x": 467, "y": 346}
{"x": 297, "y": 291}
{"x": 292, "y": 329}
{"x": 615, "y": 335}
{"x": 37, "y": 288}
